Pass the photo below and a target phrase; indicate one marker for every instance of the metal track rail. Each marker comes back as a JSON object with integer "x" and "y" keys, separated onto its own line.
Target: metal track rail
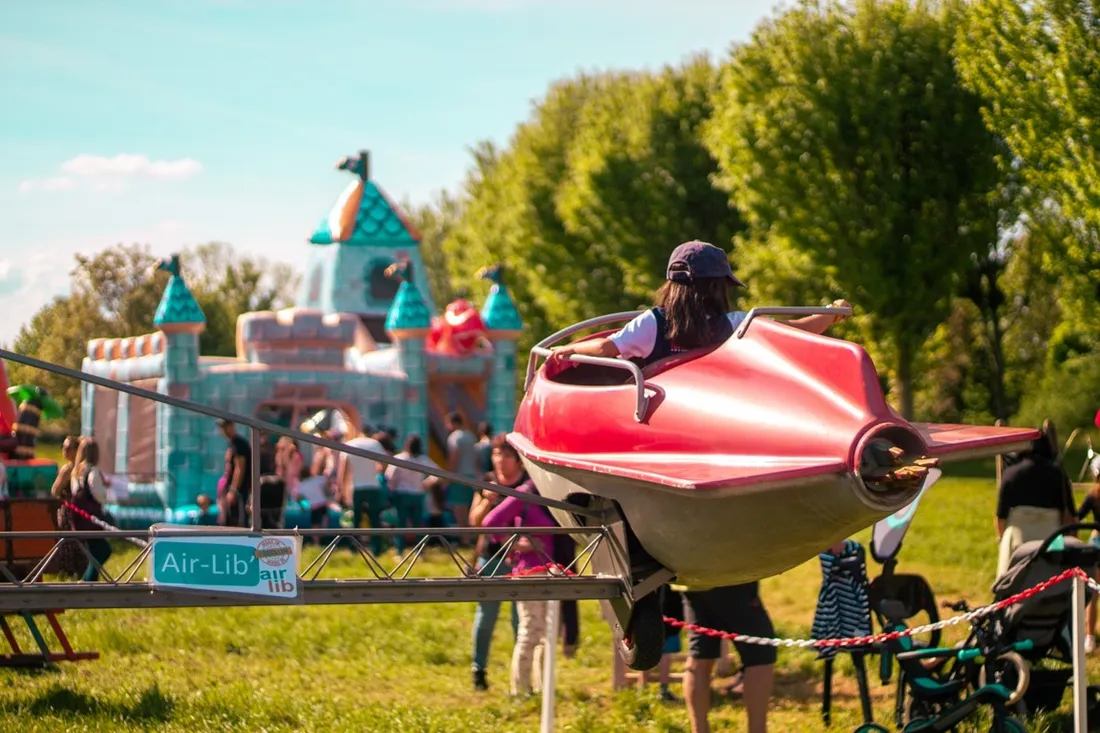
{"x": 385, "y": 580}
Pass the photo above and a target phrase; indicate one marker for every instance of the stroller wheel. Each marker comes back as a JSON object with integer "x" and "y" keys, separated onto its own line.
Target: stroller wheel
{"x": 1010, "y": 670}
{"x": 871, "y": 728}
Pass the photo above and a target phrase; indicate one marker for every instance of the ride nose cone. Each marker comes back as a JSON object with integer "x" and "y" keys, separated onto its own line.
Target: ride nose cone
{"x": 885, "y": 467}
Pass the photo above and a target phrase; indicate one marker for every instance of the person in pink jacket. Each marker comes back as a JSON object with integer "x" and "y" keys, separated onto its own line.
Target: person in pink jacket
{"x": 530, "y": 556}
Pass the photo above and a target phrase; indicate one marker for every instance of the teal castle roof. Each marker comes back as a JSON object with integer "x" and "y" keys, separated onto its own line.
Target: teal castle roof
{"x": 364, "y": 214}
{"x": 499, "y": 312}
{"x": 177, "y": 305}
{"x": 408, "y": 310}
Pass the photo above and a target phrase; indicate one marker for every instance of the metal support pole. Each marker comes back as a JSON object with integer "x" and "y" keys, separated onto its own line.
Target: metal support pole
{"x": 255, "y": 440}
{"x": 1080, "y": 674}
{"x": 549, "y": 665}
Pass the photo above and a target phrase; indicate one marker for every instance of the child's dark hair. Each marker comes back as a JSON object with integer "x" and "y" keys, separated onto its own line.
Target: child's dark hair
{"x": 692, "y": 310}
{"x": 500, "y": 442}
{"x": 413, "y": 445}
{"x": 385, "y": 441}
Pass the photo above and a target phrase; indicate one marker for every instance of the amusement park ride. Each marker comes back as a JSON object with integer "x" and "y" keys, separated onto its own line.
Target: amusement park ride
{"x": 662, "y": 474}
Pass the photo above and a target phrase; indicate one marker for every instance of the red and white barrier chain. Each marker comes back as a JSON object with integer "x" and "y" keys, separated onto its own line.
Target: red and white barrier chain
{"x": 860, "y": 641}
{"x": 96, "y": 520}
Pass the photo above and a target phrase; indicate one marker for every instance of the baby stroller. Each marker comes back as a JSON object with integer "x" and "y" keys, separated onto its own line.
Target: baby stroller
{"x": 1038, "y": 627}
{"x": 937, "y": 688}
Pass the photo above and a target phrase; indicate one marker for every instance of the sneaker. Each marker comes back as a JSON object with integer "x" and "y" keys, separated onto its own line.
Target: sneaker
{"x": 1090, "y": 644}
{"x": 480, "y": 683}
{"x": 668, "y": 696}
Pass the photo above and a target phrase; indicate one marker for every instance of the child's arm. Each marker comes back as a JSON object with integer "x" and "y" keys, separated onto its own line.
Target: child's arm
{"x": 504, "y": 514}
{"x": 820, "y": 324}
{"x": 592, "y": 347}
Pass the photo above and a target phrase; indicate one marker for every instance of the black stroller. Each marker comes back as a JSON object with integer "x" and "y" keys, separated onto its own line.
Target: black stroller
{"x": 1039, "y": 627}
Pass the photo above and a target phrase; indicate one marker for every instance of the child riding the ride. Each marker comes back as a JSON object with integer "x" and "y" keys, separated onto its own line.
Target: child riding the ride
{"x": 693, "y": 312}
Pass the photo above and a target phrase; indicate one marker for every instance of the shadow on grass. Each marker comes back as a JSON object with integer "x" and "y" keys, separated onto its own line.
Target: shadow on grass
{"x": 152, "y": 705}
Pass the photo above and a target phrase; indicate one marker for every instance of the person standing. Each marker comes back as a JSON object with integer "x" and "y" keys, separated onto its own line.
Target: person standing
{"x": 89, "y": 492}
{"x": 235, "y": 488}
{"x": 358, "y": 480}
{"x": 529, "y": 557}
{"x": 406, "y": 488}
{"x": 461, "y": 459}
{"x": 734, "y": 608}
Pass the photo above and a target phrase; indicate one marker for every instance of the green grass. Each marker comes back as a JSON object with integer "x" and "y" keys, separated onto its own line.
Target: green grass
{"x": 406, "y": 667}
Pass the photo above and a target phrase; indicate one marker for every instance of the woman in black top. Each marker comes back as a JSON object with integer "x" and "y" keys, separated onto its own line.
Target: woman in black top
{"x": 1091, "y": 505}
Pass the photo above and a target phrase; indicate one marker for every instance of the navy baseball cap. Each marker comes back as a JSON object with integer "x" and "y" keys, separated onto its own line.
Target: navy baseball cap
{"x": 699, "y": 259}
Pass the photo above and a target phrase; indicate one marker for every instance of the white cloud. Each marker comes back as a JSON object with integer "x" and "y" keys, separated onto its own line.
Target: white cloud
{"x": 59, "y": 183}
{"x": 102, "y": 173}
{"x": 126, "y": 165}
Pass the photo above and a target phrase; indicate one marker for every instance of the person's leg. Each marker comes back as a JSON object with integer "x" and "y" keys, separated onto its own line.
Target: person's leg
{"x": 697, "y": 692}
{"x": 1090, "y": 623}
{"x": 538, "y": 633}
{"x": 101, "y": 550}
{"x": 524, "y": 650}
{"x": 758, "y": 692}
{"x": 376, "y": 503}
{"x": 414, "y": 508}
{"x": 401, "y": 506}
{"x": 459, "y": 499}
{"x": 748, "y": 616}
{"x": 703, "y": 651}
{"x": 485, "y": 619}
{"x": 570, "y": 623}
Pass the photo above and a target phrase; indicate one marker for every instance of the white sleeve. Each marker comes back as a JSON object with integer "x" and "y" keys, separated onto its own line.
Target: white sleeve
{"x": 95, "y": 483}
{"x": 637, "y": 338}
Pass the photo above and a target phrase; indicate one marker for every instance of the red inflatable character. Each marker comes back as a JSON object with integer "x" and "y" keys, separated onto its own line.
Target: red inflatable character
{"x": 7, "y": 407}
{"x": 459, "y": 331}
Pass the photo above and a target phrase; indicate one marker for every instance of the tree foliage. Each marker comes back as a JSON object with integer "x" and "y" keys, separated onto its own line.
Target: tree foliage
{"x": 1036, "y": 63}
{"x": 115, "y": 294}
{"x": 843, "y": 129}
{"x": 592, "y": 193}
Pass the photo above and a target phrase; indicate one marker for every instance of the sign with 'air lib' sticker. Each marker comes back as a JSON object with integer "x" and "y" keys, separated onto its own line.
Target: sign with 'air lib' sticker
{"x": 265, "y": 567}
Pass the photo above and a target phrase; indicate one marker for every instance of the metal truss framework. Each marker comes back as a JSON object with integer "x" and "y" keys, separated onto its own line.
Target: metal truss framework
{"x": 401, "y": 583}
{"x": 600, "y": 571}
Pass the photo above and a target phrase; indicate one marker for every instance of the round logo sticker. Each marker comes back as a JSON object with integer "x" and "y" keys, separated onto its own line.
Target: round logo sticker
{"x": 273, "y": 551}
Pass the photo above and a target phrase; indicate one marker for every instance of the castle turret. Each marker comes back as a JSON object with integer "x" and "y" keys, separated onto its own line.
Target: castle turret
{"x": 181, "y": 320}
{"x": 505, "y": 326}
{"x": 407, "y": 323}
{"x": 363, "y": 234}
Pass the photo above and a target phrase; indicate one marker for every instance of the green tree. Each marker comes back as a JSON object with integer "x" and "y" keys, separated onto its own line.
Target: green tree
{"x": 510, "y": 215}
{"x": 591, "y": 194}
{"x": 115, "y": 294}
{"x": 843, "y": 128}
{"x": 639, "y": 182}
{"x": 434, "y": 220}
{"x": 1036, "y": 63}
{"x": 226, "y": 284}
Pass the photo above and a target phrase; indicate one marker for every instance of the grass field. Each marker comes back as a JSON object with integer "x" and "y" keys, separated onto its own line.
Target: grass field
{"x": 406, "y": 667}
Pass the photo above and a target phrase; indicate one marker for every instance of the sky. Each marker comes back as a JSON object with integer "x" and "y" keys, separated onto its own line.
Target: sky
{"x": 177, "y": 122}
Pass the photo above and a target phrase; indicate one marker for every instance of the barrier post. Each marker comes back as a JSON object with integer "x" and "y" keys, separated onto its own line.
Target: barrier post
{"x": 1080, "y": 674}
{"x": 549, "y": 665}
{"x": 255, "y": 444}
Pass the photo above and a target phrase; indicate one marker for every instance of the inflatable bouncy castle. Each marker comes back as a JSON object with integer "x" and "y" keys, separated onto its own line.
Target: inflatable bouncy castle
{"x": 364, "y": 343}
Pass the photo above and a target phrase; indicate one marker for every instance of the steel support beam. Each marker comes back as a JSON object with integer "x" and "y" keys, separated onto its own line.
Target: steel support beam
{"x": 319, "y": 592}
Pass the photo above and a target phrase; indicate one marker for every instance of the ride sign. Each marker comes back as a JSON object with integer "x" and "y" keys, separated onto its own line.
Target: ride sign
{"x": 265, "y": 567}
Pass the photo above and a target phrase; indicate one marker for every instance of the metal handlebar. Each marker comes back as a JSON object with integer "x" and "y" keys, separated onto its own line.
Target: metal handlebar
{"x": 781, "y": 310}
{"x": 540, "y": 349}
{"x": 642, "y": 403}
